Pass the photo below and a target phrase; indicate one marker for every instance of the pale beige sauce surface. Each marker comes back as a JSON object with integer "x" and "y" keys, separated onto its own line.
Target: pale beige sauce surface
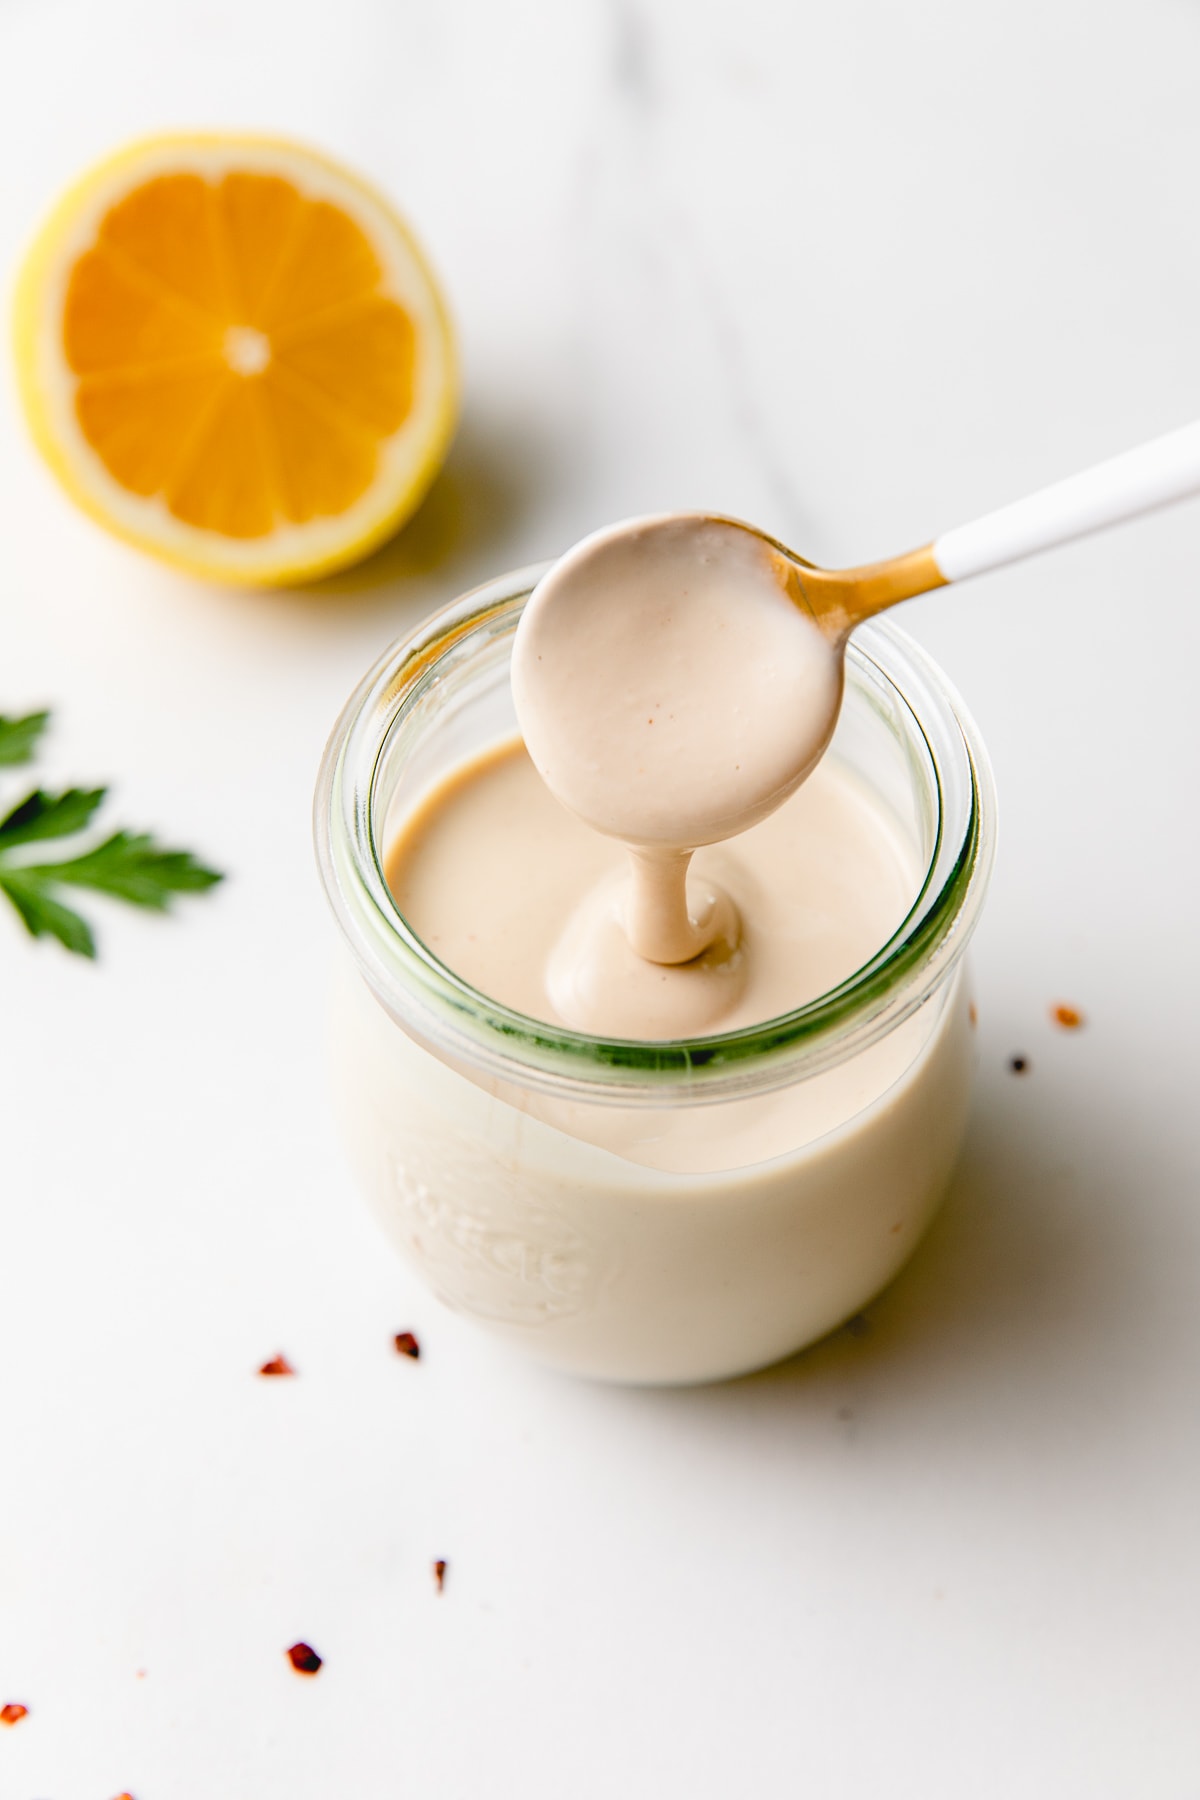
{"x": 505, "y": 886}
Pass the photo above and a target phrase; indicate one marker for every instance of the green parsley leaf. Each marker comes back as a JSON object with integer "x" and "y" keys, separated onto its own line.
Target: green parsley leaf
{"x": 19, "y": 736}
{"x": 41, "y": 815}
{"x": 128, "y": 866}
{"x": 44, "y": 917}
{"x": 131, "y": 867}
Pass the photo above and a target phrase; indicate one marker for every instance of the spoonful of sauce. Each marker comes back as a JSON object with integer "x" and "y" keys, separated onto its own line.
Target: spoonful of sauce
{"x": 677, "y": 677}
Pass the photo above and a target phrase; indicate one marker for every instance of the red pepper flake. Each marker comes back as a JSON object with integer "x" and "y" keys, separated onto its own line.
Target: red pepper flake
{"x": 13, "y": 1713}
{"x": 439, "y": 1575}
{"x": 278, "y": 1365}
{"x": 407, "y": 1345}
{"x": 124, "y": 1797}
{"x": 973, "y": 1013}
{"x": 1019, "y": 1065}
{"x": 1069, "y": 1017}
{"x": 304, "y": 1659}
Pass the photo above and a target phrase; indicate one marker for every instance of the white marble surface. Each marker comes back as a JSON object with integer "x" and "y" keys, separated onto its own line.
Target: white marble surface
{"x": 855, "y": 272}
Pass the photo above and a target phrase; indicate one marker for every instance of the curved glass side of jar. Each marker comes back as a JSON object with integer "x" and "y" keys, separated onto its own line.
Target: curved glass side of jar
{"x": 650, "y": 1212}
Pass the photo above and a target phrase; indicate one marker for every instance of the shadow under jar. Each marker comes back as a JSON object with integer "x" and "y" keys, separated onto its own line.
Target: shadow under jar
{"x": 561, "y": 1190}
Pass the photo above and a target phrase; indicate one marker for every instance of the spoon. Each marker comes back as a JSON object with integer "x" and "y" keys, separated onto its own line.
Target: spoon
{"x": 677, "y": 677}
{"x": 1156, "y": 474}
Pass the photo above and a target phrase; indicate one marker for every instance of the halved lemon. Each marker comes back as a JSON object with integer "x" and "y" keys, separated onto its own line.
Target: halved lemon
{"x": 232, "y": 353}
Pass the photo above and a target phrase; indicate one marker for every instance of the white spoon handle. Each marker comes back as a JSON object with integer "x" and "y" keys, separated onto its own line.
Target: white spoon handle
{"x": 1167, "y": 469}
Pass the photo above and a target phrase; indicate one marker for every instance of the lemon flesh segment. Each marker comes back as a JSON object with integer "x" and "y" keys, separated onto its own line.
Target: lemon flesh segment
{"x": 232, "y": 353}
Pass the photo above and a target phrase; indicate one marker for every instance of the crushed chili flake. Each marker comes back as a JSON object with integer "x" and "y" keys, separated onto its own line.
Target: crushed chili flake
{"x": 304, "y": 1659}
{"x": 407, "y": 1345}
{"x": 13, "y": 1713}
{"x": 439, "y": 1575}
{"x": 1069, "y": 1017}
{"x": 973, "y": 1013}
{"x": 1019, "y": 1065}
{"x": 278, "y": 1365}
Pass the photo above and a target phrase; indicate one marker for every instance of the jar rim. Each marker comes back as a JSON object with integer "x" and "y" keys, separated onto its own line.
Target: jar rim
{"x": 466, "y": 1025}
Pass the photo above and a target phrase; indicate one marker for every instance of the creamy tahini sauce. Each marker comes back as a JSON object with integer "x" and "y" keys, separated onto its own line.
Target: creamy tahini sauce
{"x": 516, "y": 895}
{"x": 671, "y": 695}
{"x": 528, "y": 1205}
{"x": 668, "y": 690}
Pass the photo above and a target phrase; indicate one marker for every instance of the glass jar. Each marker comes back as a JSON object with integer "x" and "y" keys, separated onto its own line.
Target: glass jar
{"x": 650, "y": 1212}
